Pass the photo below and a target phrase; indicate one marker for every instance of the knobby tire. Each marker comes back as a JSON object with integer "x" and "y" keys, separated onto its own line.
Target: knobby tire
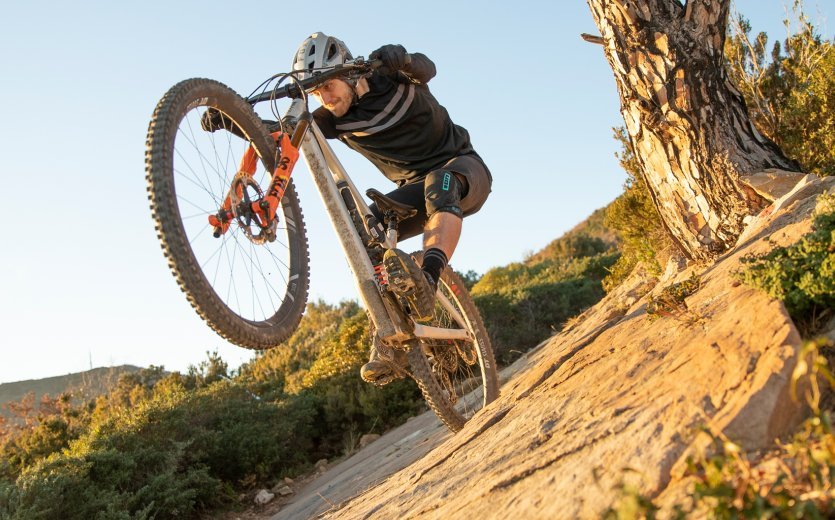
{"x": 472, "y": 391}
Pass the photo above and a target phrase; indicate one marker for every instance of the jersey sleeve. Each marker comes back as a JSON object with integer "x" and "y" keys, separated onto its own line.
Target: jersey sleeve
{"x": 324, "y": 120}
{"x": 420, "y": 68}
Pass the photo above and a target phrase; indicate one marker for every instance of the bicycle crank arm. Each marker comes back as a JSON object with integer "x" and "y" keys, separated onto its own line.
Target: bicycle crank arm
{"x": 425, "y": 331}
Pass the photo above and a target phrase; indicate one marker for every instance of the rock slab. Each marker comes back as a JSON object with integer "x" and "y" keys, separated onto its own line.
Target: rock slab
{"x": 618, "y": 397}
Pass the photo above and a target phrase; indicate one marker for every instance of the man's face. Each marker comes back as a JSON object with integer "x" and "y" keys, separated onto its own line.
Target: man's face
{"x": 336, "y": 96}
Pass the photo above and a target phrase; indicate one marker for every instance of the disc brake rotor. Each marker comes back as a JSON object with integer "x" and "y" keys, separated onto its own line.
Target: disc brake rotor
{"x": 244, "y": 192}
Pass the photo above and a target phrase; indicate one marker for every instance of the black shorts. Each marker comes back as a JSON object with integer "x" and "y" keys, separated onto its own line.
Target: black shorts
{"x": 476, "y": 186}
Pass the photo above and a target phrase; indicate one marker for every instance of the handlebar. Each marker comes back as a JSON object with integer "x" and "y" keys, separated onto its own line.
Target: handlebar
{"x": 294, "y": 89}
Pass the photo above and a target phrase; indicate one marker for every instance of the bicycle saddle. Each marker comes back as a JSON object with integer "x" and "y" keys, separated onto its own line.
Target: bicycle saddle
{"x": 388, "y": 206}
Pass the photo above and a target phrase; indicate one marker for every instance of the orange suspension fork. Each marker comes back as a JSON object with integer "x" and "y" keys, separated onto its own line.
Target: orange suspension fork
{"x": 264, "y": 209}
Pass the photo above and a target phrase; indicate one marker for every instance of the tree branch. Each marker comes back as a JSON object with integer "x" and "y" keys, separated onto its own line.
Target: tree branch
{"x": 592, "y": 38}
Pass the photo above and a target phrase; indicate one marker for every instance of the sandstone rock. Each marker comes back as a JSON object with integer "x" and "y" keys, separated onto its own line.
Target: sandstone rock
{"x": 288, "y": 481}
{"x": 264, "y": 497}
{"x": 321, "y": 465}
{"x": 617, "y": 396}
{"x": 772, "y": 183}
{"x": 367, "y": 439}
{"x": 285, "y": 491}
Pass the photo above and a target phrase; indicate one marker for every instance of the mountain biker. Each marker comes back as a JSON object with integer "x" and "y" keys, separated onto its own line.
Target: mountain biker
{"x": 390, "y": 117}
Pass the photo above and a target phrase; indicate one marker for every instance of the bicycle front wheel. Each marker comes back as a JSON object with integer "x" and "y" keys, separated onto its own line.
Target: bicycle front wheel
{"x": 457, "y": 377}
{"x": 251, "y": 292}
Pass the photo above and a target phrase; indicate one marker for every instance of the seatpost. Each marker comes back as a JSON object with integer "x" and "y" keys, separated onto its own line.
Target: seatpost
{"x": 391, "y": 230}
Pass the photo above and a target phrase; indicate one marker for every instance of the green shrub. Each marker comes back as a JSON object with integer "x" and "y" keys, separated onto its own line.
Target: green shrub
{"x": 350, "y": 407}
{"x": 34, "y": 434}
{"x": 282, "y": 369}
{"x": 803, "y": 274}
{"x": 173, "y": 455}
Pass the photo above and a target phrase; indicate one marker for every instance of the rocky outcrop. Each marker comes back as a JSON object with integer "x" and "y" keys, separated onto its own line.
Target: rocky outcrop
{"x": 619, "y": 396}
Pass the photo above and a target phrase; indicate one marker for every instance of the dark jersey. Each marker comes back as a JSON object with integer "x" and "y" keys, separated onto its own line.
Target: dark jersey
{"x": 399, "y": 125}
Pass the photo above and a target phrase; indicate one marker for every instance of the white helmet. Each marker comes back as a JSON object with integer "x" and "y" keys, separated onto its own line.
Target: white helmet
{"x": 320, "y": 50}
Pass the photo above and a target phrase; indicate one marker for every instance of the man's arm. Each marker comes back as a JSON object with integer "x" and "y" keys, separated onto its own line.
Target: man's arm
{"x": 419, "y": 68}
{"x": 324, "y": 120}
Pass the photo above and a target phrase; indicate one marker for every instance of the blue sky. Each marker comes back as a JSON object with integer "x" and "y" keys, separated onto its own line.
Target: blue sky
{"x": 82, "y": 277}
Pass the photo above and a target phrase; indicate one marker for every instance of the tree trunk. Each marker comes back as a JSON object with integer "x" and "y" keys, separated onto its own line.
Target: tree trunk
{"x": 688, "y": 124}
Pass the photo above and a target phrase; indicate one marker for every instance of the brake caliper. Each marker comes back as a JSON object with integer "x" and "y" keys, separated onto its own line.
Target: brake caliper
{"x": 264, "y": 208}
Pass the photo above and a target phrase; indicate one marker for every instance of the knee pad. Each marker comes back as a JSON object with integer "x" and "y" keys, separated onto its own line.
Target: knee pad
{"x": 442, "y": 191}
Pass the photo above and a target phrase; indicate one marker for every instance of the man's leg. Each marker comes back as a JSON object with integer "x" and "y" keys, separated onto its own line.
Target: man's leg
{"x": 443, "y": 229}
{"x": 440, "y": 237}
{"x": 443, "y": 191}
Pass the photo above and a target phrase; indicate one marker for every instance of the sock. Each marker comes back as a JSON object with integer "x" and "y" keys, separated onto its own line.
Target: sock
{"x": 434, "y": 262}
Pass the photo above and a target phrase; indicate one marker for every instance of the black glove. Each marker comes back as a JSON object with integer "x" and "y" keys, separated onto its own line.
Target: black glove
{"x": 392, "y": 56}
{"x": 213, "y": 119}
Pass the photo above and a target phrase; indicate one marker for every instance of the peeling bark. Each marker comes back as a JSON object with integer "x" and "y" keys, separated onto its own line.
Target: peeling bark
{"x": 688, "y": 124}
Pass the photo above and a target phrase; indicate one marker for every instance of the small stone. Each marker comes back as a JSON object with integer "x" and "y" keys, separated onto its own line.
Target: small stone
{"x": 284, "y": 491}
{"x": 263, "y": 497}
{"x": 321, "y": 464}
{"x": 288, "y": 481}
{"x": 368, "y": 438}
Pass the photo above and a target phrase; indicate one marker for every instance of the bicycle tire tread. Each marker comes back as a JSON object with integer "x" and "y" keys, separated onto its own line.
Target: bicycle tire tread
{"x": 181, "y": 261}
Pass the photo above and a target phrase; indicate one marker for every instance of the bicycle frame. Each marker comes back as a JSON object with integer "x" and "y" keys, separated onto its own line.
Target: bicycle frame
{"x": 327, "y": 172}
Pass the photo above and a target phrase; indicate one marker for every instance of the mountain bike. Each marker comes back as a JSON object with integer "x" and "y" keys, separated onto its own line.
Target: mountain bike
{"x": 231, "y": 227}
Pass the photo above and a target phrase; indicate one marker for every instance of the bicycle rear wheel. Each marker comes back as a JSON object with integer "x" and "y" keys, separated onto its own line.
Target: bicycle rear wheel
{"x": 457, "y": 378}
{"x": 252, "y": 294}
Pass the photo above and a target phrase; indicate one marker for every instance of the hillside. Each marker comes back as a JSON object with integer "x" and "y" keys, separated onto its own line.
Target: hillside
{"x": 616, "y": 402}
{"x": 88, "y": 384}
{"x": 619, "y": 396}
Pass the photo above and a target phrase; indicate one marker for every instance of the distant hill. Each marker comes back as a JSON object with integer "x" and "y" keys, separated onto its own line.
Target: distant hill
{"x": 83, "y": 385}
{"x": 591, "y": 232}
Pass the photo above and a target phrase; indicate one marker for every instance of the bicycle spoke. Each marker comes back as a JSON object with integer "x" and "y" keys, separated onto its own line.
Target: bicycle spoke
{"x": 194, "y": 180}
{"x": 261, "y": 271}
{"x": 269, "y": 286}
{"x": 203, "y": 161}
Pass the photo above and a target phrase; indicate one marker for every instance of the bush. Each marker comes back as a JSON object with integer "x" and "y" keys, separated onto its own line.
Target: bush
{"x": 801, "y": 275}
{"x": 348, "y": 406}
{"x": 186, "y": 442}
